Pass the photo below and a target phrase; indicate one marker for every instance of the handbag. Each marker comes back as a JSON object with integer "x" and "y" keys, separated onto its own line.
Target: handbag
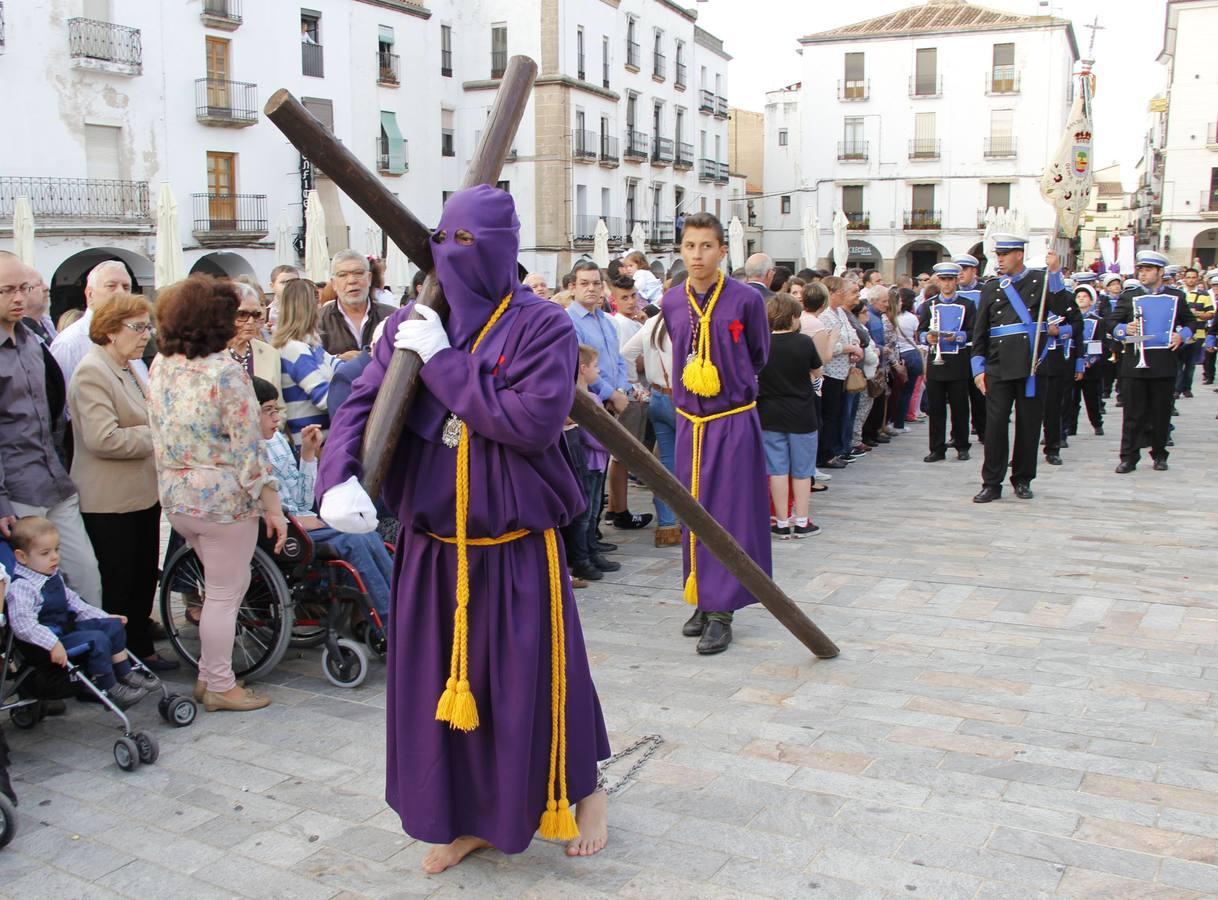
{"x": 899, "y": 374}
{"x": 855, "y": 380}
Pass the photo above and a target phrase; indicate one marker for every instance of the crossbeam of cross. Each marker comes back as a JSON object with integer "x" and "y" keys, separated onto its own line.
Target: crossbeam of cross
{"x": 393, "y": 402}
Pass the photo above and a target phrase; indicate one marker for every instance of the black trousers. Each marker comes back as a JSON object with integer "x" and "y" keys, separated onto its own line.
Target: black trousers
{"x": 1000, "y": 397}
{"x": 1207, "y": 366}
{"x": 939, "y": 396}
{"x": 875, "y": 419}
{"x": 832, "y": 397}
{"x": 1147, "y": 414}
{"x": 127, "y": 547}
{"x": 977, "y": 402}
{"x": 1055, "y": 388}
{"x": 1085, "y": 391}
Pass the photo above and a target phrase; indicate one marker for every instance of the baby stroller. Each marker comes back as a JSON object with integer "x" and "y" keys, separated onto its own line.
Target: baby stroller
{"x": 8, "y": 798}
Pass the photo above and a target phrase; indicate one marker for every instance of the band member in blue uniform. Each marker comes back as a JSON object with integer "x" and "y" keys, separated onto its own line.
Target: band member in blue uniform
{"x": 1087, "y": 384}
{"x": 969, "y": 287}
{"x": 1059, "y": 367}
{"x": 1148, "y": 369}
{"x": 1003, "y": 336}
{"x": 944, "y": 326}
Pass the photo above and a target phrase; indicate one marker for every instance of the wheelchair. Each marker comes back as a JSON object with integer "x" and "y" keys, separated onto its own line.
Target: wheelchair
{"x": 299, "y": 597}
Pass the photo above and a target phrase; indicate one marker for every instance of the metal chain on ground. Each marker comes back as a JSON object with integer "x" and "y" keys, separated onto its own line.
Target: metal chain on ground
{"x": 648, "y": 744}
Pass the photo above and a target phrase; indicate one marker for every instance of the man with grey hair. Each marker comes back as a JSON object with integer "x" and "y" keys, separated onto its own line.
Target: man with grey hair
{"x": 536, "y": 282}
{"x": 105, "y": 280}
{"x": 37, "y": 306}
{"x": 758, "y": 273}
{"x": 347, "y": 322}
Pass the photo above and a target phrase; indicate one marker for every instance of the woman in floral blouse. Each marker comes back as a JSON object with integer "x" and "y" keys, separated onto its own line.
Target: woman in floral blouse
{"x": 214, "y": 476}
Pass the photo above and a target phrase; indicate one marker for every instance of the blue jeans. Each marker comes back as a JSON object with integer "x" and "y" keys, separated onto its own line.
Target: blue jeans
{"x": 369, "y": 557}
{"x": 664, "y": 423}
{"x": 850, "y": 406}
{"x": 107, "y": 637}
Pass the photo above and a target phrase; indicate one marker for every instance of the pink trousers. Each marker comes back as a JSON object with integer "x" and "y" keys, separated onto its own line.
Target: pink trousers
{"x": 225, "y": 549}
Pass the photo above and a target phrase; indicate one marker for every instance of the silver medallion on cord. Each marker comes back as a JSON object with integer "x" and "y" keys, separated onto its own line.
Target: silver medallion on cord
{"x": 451, "y": 436}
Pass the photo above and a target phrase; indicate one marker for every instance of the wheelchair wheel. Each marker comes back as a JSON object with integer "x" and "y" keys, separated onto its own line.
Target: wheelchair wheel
{"x": 126, "y": 754}
{"x": 350, "y": 668}
{"x": 8, "y": 821}
{"x": 27, "y": 716}
{"x": 263, "y": 629}
{"x": 309, "y": 626}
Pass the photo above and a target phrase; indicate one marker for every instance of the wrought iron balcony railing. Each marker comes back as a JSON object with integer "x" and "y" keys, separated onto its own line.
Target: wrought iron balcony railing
{"x": 637, "y": 144}
{"x": 661, "y": 232}
{"x": 853, "y": 151}
{"x": 312, "y": 60}
{"x": 223, "y": 14}
{"x": 682, "y": 78}
{"x": 114, "y": 47}
{"x": 384, "y": 163}
{"x": 923, "y": 219}
{"x": 659, "y": 66}
{"x": 632, "y": 54}
{"x": 1002, "y": 80}
{"x": 706, "y": 101}
{"x": 1000, "y": 147}
{"x": 388, "y": 67}
{"x": 585, "y": 228}
{"x": 86, "y": 200}
{"x": 858, "y": 220}
{"x": 498, "y": 63}
{"x": 232, "y": 104}
{"x": 242, "y": 214}
{"x": 924, "y": 148}
{"x": 926, "y": 86}
{"x": 685, "y": 156}
{"x": 721, "y": 107}
{"x": 708, "y": 169}
{"x": 854, "y": 90}
{"x": 722, "y": 173}
{"x": 662, "y": 151}
{"x": 584, "y": 144}
{"x": 609, "y": 153}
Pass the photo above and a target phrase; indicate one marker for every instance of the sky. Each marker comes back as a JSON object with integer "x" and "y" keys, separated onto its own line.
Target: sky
{"x": 762, "y": 35}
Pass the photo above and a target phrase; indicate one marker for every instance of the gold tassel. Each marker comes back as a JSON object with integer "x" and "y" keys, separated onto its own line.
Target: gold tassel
{"x": 691, "y": 583}
{"x": 558, "y": 822}
{"x": 465, "y": 709}
{"x": 444, "y": 709}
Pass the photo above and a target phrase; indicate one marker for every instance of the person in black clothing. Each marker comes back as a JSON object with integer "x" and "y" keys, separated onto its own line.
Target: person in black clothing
{"x": 1147, "y": 391}
{"x": 786, "y": 405}
{"x": 1059, "y": 366}
{"x": 1003, "y": 336}
{"x": 1089, "y": 383}
{"x": 948, "y": 374}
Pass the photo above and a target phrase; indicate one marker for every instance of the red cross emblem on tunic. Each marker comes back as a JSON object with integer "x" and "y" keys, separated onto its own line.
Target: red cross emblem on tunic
{"x": 736, "y": 328}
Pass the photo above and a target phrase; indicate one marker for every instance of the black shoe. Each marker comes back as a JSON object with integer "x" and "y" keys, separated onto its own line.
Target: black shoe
{"x": 834, "y": 463}
{"x": 1052, "y": 459}
{"x": 871, "y": 444}
{"x": 587, "y": 572}
{"x": 987, "y": 494}
{"x": 1064, "y": 445}
{"x": 1174, "y": 411}
{"x": 605, "y": 565}
{"x": 1125, "y": 467}
{"x": 604, "y": 547}
{"x": 803, "y": 531}
{"x": 1160, "y": 465}
{"x": 1099, "y": 430}
{"x": 883, "y": 439}
{"x": 632, "y": 520}
{"x": 1170, "y": 443}
{"x": 934, "y": 457}
{"x": 782, "y": 532}
{"x": 715, "y": 637}
{"x": 1188, "y": 395}
{"x": 962, "y": 454}
{"x": 1022, "y": 491}
{"x": 695, "y": 624}
{"x": 159, "y": 663}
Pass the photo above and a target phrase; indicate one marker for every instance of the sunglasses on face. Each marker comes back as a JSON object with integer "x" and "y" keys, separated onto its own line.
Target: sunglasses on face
{"x": 245, "y": 314}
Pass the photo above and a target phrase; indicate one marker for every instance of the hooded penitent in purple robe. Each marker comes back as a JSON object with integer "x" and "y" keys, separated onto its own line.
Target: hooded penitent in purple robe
{"x": 733, "y": 475}
{"x": 514, "y": 394}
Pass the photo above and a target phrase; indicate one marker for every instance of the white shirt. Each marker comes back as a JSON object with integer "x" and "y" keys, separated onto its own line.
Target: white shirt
{"x": 356, "y": 330}
{"x": 657, "y": 361}
{"x": 650, "y": 288}
{"x": 626, "y": 329}
{"x": 71, "y": 345}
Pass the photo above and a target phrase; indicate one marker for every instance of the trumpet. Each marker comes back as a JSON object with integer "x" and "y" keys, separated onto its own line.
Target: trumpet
{"x": 934, "y": 326}
{"x": 1139, "y": 318}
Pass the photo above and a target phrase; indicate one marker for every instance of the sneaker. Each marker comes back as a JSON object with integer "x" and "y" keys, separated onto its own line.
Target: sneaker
{"x": 125, "y": 695}
{"x": 823, "y": 476}
{"x": 605, "y": 565}
{"x": 782, "y": 532}
{"x": 631, "y": 520}
{"x": 802, "y": 531}
{"x": 137, "y": 679}
{"x": 902, "y": 430}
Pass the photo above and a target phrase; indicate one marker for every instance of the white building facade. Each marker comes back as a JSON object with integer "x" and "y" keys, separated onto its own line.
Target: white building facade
{"x": 118, "y": 96}
{"x": 1187, "y": 157}
{"x": 914, "y": 124}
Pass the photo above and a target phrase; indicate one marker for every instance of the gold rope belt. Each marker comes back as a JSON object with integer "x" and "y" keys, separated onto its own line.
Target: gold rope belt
{"x": 695, "y": 481}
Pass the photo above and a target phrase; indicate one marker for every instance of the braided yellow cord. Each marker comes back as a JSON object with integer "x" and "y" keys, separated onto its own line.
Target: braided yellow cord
{"x": 700, "y": 376}
{"x": 557, "y": 822}
{"x": 695, "y": 482}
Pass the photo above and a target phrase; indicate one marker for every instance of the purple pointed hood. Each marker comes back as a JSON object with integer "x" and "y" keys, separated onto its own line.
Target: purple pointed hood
{"x": 476, "y": 277}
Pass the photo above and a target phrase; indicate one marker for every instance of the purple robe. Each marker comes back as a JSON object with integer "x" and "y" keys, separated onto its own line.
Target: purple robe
{"x": 733, "y": 485}
{"x": 514, "y": 394}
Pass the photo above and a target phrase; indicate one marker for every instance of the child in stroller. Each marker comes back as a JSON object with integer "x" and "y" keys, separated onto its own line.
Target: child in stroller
{"x": 48, "y": 617}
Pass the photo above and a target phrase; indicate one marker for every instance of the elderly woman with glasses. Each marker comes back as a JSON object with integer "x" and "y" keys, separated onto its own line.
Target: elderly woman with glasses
{"x": 114, "y": 469}
{"x": 256, "y": 356}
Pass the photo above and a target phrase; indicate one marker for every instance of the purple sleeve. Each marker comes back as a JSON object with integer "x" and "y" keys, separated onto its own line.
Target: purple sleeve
{"x": 528, "y": 411}
{"x": 341, "y": 458}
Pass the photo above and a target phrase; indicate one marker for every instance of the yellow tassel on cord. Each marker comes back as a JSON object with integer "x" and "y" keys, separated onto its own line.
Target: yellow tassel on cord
{"x": 557, "y": 822}
{"x": 700, "y": 376}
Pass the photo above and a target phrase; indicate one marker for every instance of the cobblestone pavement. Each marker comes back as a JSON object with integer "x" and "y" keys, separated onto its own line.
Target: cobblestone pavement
{"x": 1024, "y": 706}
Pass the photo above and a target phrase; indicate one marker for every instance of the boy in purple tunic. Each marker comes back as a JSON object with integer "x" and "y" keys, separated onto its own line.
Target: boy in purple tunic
{"x": 485, "y": 631}
{"x": 720, "y": 340}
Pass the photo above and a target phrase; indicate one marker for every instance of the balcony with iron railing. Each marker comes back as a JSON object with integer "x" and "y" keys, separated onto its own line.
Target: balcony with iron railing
{"x": 229, "y": 104}
{"x": 724, "y": 173}
{"x": 633, "y": 52}
{"x": 446, "y": 63}
{"x": 1211, "y": 135}
{"x": 661, "y": 232}
{"x": 106, "y": 47}
{"x": 924, "y": 148}
{"x": 853, "y": 151}
{"x": 659, "y": 66}
{"x": 584, "y": 144}
{"x": 609, "y": 155}
{"x": 706, "y": 101}
{"x": 630, "y": 223}
{"x": 388, "y": 68}
{"x": 708, "y": 169}
{"x": 498, "y": 63}
{"x": 1002, "y": 80}
{"x": 584, "y": 231}
{"x": 222, "y": 14}
{"x": 662, "y": 151}
{"x": 682, "y": 78}
{"x": 858, "y": 220}
{"x": 1208, "y": 205}
{"x": 685, "y": 156}
{"x": 921, "y": 86}
{"x": 222, "y": 218}
{"x": 384, "y": 161}
{"x": 448, "y": 142}
{"x": 638, "y": 144}
{"x": 854, "y": 90}
{"x": 721, "y": 107}
{"x": 923, "y": 220}
{"x": 1000, "y": 147}
{"x": 312, "y": 60}
{"x": 87, "y": 201}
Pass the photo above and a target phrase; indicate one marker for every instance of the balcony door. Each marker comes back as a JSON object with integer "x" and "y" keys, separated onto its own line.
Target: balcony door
{"x": 217, "y": 74}
{"x": 221, "y": 190}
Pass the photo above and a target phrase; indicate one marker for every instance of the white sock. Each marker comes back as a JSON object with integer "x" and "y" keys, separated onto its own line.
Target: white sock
{"x": 782, "y": 523}
{"x": 801, "y": 521}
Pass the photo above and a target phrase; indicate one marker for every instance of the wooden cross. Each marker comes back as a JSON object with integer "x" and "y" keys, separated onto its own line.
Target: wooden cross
{"x": 393, "y": 401}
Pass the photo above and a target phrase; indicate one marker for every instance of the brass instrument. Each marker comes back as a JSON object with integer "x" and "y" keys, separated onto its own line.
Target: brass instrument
{"x": 934, "y": 326}
{"x": 1138, "y": 317}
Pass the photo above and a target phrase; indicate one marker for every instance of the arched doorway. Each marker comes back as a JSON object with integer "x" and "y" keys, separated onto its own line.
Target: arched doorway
{"x": 920, "y": 256}
{"x": 1205, "y": 248}
{"x": 859, "y": 255}
{"x": 222, "y": 264}
{"x": 68, "y": 282}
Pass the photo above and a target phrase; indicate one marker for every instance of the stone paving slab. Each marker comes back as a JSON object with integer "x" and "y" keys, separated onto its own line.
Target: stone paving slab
{"x": 1024, "y": 707}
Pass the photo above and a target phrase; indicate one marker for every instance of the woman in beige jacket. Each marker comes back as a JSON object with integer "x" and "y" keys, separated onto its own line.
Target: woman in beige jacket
{"x": 114, "y": 469}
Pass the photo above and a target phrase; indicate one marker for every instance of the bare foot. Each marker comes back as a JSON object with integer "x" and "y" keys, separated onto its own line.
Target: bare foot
{"x": 448, "y": 855}
{"x": 592, "y": 817}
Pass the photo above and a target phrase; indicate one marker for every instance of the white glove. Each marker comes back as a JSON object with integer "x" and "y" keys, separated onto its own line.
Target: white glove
{"x": 425, "y": 336}
{"x": 347, "y": 507}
